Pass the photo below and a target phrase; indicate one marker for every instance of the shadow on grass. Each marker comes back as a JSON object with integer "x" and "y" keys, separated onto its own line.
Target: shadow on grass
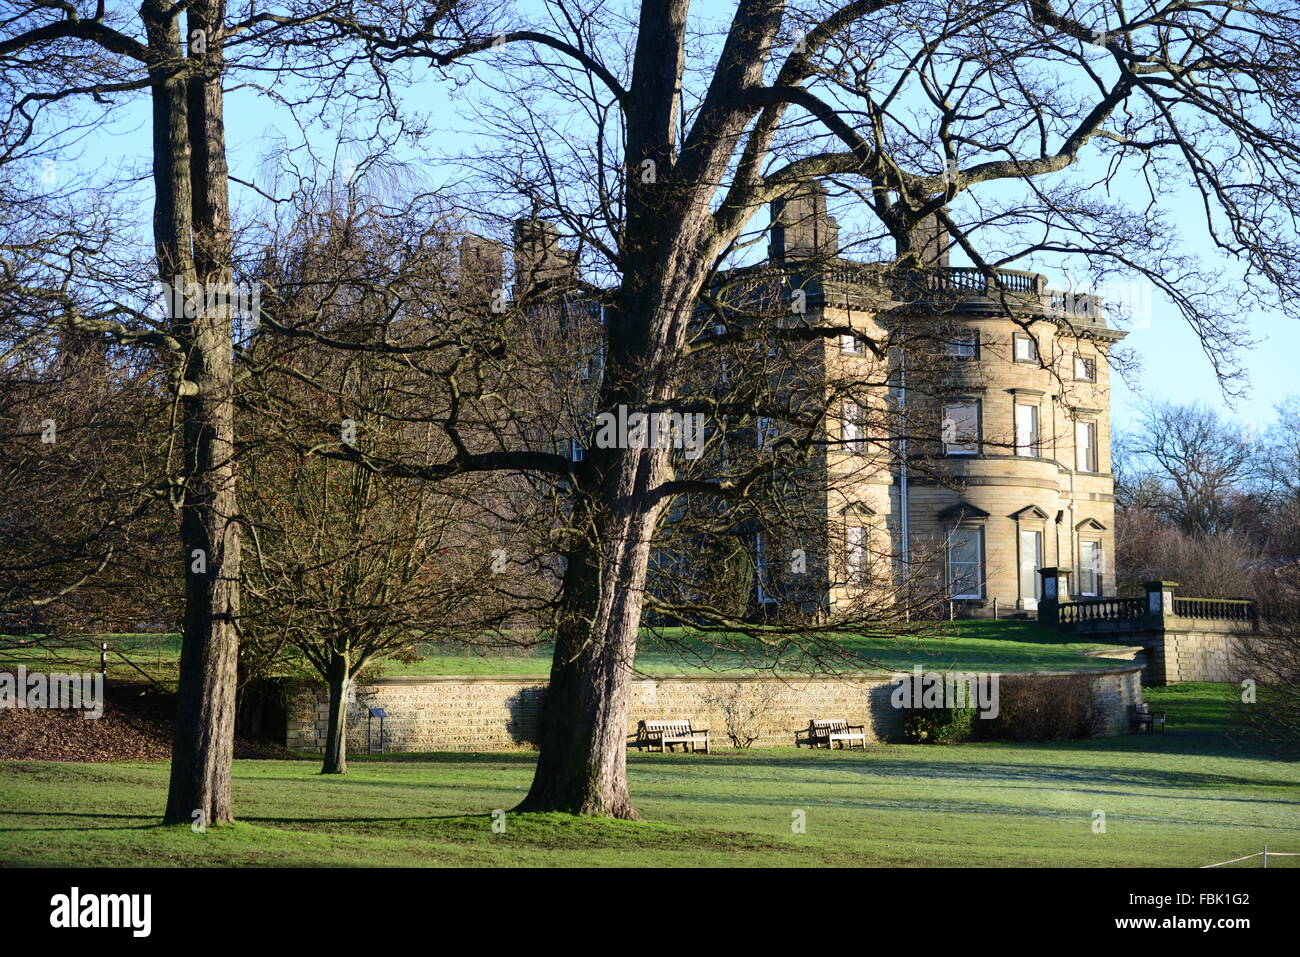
{"x": 1011, "y": 774}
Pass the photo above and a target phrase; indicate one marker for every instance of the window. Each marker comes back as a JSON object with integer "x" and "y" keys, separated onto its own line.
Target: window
{"x": 966, "y": 563}
{"x": 576, "y": 452}
{"x": 961, "y": 428}
{"x": 1026, "y": 348}
{"x": 1085, "y": 446}
{"x": 852, "y": 428}
{"x": 1085, "y": 369}
{"x": 855, "y": 553}
{"x": 766, "y": 431}
{"x": 1026, "y": 429}
{"x": 720, "y": 330}
{"x": 1090, "y": 568}
{"x": 850, "y": 344}
{"x": 763, "y": 566}
{"x": 1031, "y": 559}
{"x": 964, "y": 345}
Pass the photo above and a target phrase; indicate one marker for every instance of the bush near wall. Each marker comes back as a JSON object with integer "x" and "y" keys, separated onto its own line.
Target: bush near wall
{"x": 938, "y": 725}
{"x": 933, "y": 725}
{"x": 1058, "y": 708}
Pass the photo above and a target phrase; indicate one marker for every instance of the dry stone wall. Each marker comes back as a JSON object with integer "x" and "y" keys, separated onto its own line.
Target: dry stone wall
{"x": 504, "y": 713}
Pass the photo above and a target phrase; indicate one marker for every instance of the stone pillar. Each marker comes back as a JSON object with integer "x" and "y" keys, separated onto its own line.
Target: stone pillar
{"x": 1160, "y": 602}
{"x": 1055, "y": 583}
{"x": 1162, "y": 650}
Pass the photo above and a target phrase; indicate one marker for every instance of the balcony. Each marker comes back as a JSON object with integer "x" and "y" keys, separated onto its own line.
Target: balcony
{"x": 966, "y": 289}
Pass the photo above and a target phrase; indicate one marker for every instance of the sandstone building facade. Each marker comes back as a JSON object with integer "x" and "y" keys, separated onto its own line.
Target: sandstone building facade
{"x": 994, "y": 394}
{"x": 1001, "y": 464}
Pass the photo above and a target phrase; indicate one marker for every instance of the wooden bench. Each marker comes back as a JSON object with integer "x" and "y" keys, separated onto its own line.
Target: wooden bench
{"x": 666, "y": 735}
{"x": 1146, "y": 719}
{"x": 827, "y": 731}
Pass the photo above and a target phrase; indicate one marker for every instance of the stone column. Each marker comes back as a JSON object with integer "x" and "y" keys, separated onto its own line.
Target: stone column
{"x": 1162, "y": 657}
{"x": 1160, "y": 602}
{"x": 1055, "y": 583}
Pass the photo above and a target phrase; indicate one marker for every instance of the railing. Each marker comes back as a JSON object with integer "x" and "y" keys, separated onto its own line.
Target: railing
{"x": 1101, "y": 609}
{"x": 865, "y": 274}
{"x": 1226, "y": 609}
{"x": 1080, "y": 305}
{"x": 967, "y": 281}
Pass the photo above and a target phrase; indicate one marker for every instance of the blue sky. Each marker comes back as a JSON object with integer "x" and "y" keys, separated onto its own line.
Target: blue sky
{"x": 1176, "y": 368}
{"x": 1173, "y": 365}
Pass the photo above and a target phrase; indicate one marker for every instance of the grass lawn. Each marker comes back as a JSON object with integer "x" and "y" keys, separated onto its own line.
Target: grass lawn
{"x": 1193, "y": 796}
{"x": 132, "y": 657}
{"x": 966, "y": 645}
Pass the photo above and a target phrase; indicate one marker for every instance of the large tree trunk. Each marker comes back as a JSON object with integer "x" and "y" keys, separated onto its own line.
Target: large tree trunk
{"x": 336, "y": 741}
{"x": 203, "y": 746}
{"x": 582, "y": 768}
{"x": 668, "y": 245}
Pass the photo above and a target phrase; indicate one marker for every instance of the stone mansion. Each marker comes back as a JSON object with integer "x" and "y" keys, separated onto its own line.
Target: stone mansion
{"x": 1004, "y": 465}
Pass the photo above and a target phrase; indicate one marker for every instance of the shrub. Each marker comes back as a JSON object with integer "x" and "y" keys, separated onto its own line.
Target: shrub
{"x": 938, "y": 725}
{"x": 1059, "y": 708}
{"x": 744, "y": 706}
{"x": 1270, "y": 660}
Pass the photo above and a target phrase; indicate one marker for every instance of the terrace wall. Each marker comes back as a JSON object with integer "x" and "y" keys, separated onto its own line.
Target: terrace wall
{"x": 1185, "y": 639}
{"x": 504, "y": 714}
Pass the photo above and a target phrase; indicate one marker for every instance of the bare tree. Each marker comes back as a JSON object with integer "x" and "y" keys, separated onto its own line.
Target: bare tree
{"x": 348, "y": 566}
{"x": 959, "y": 112}
{"x": 180, "y": 53}
{"x": 1197, "y": 460}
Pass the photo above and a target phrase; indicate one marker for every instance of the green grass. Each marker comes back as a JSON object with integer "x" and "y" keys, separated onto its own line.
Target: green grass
{"x": 1195, "y": 795}
{"x": 965, "y": 645}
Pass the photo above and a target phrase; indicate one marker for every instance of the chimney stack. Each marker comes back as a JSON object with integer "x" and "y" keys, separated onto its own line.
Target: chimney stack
{"x": 539, "y": 260}
{"x": 482, "y": 270}
{"x": 801, "y": 226}
{"x": 930, "y": 242}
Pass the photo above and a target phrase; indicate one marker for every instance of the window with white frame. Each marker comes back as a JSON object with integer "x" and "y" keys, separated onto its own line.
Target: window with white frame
{"x": 855, "y": 554}
{"x": 766, "y": 428}
{"x": 852, "y": 428}
{"x": 1085, "y": 446}
{"x": 1026, "y": 429}
{"x": 576, "y": 452}
{"x": 1085, "y": 369}
{"x": 1031, "y": 559}
{"x": 1090, "y": 568}
{"x": 851, "y": 343}
{"x": 963, "y": 345}
{"x": 961, "y": 428}
{"x": 966, "y": 563}
{"x": 1026, "y": 347}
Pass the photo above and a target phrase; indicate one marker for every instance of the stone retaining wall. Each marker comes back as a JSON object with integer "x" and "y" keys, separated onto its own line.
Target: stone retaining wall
{"x": 1197, "y": 653}
{"x": 504, "y": 713}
